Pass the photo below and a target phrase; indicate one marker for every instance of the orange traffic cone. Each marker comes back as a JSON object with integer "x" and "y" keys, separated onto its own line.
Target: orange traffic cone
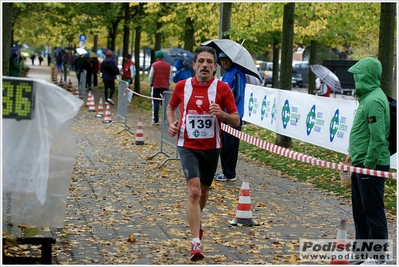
{"x": 139, "y": 134}
{"x": 100, "y": 112}
{"x": 76, "y": 93}
{"x": 70, "y": 86}
{"x": 92, "y": 104}
{"x": 340, "y": 255}
{"x": 107, "y": 117}
{"x": 244, "y": 209}
{"x": 88, "y": 99}
{"x": 61, "y": 83}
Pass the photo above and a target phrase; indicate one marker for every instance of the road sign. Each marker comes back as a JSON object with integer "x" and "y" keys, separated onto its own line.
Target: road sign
{"x": 83, "y": 37}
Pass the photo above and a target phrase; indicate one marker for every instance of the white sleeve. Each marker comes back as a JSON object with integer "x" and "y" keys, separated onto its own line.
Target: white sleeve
{"x": 151, "y": 76}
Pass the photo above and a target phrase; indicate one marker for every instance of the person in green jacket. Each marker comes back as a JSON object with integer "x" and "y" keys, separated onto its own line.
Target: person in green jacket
{"x": 368, "y": 148}
{"x": 14, "y": 65}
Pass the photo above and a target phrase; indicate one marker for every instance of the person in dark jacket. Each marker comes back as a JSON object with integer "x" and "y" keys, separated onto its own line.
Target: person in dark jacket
{"x": 237, "y": 81}
{"x": 108, "y": 78}
{"x": 89, "y": 66}
{"x": 182, "y": 71}
{"x": 159, "y": 80}
{"x": 368, "y": 148}
{"x": 14, "y": 65}
{"x": 48, "y": 59}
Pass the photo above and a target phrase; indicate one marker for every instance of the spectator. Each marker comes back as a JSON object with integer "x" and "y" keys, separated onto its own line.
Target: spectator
{"x": 129, "y": 70}
{"x": 70, "y": 60}
{"x": 40, "y": 59}
{"x": 108, "y": 78}
{"x": 88, "y": 65}
{"x": 182, "y": 72}
{"x": 48, "y": 59}
{"x": 97, "y": 67}
{"x": 159, "y": 80}
{"x": 77, "y": 66}
{"x": 236, "y": 79}
{"x": 368, "y": 148}
{"x": 201, "y": 99}
{"x": 33, "y": 57}
{"x": 322, "y": 88}
{"x": 14, "y": 65}
{"x": 58, "y": 61}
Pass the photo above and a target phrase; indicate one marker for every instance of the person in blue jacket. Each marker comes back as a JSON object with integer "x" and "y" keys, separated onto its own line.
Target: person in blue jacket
{"x": 235, "y": 78}
{"x": 182, "y": 72}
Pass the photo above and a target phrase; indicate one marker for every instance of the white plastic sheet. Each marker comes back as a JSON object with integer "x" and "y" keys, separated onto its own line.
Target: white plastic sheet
{"x": 38, "y": 158}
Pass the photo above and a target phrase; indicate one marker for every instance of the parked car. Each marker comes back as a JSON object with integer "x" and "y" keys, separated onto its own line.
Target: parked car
{"x": 302, "y": 67}
{"x": 297, "y": 79}
{"x": 265, "y": 71}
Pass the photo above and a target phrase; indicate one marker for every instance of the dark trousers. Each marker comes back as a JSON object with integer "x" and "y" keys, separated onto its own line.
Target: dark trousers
{"x": 89, "y": 77}
{"x": 229, "y": 153}
{"x": 368, "y": 205}
{"x": 109, "y": 89}
{"x": 95, "y": 80}
{"x": 156, "y": 93}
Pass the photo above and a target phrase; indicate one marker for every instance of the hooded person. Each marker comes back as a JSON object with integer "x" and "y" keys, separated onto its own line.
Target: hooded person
{"x": 182, "y": 71}
{"x": 368, "y": 148}
{"x": 159, "y": 80}
{"x": 14, "y": 65}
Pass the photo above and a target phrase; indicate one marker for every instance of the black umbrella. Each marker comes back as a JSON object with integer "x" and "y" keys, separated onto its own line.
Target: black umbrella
{"x": 177, "y": 53}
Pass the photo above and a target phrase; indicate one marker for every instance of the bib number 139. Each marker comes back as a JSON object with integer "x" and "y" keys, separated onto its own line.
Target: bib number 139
{"x": 200, "y": 126}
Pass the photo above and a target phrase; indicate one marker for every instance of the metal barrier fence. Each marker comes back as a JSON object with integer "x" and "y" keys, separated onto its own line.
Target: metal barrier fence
{"x": 165, "y": 138}
{"x": 82, "y": 85}
{"x": 122, "y": 106}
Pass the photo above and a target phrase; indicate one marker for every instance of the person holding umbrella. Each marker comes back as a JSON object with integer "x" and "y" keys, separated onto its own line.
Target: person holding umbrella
{"x": 204, "y": 102}
{"x": 322, "y": 88}
{"x": 237, "y": 81}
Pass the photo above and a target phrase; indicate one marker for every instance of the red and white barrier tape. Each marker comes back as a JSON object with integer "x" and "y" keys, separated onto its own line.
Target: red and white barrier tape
{"x": 302, "y": 157}
{"x": 147, "y": 96}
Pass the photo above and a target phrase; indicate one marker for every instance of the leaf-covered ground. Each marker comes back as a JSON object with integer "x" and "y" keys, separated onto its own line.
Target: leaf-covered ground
{"x": 124, "y": 209}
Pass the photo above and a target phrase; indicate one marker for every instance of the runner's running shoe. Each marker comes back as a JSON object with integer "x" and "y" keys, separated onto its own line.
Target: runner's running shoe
{"x": 196, "y": 252}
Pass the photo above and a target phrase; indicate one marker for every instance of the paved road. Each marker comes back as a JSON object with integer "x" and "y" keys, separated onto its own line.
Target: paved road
{"x": 124, "y": 209}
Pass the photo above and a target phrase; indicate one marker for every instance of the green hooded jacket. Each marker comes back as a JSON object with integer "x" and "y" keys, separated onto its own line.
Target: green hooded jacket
{"x": 368, "y": 140}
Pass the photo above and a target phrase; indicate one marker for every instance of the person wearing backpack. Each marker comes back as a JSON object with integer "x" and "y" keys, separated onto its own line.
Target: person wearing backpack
{"x": 109, "y": 75}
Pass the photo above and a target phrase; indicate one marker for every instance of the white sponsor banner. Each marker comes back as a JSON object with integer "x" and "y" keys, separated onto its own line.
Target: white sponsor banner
{"x": 261, "y": 106}
{"x": 321, "y": 121}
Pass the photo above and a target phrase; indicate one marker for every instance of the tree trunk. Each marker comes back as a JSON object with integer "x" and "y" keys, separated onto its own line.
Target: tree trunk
{"x": 137, "y": 59}
{"x": 95, "y": 45}
{"x": 126, "y": 30}
{"x": 276, "y": 58}
{"x": 189, "y": 35}
{"x": 386, "y": 45}
{"x": 312, "y": 61}
{"x": 7, "y": 36}
{"x": 226, "y": 20}
{"x": 287, "y": 45}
